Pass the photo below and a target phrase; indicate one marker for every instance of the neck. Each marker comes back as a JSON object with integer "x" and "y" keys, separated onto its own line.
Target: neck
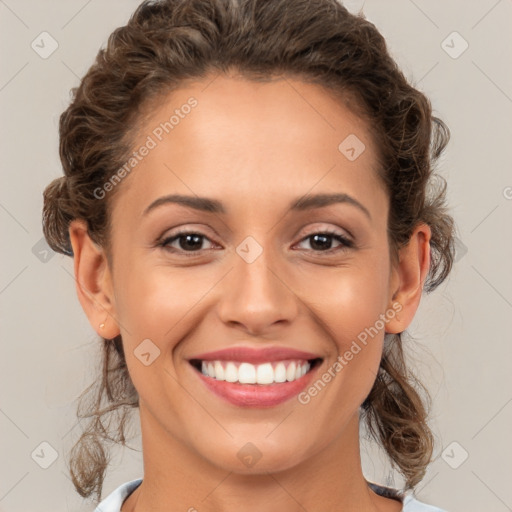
{"x": 176, "y": 478}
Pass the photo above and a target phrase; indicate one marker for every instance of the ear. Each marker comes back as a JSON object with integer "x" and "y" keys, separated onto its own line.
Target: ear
{"x": 93, "y": 281}
{"x": 408, "y": 278}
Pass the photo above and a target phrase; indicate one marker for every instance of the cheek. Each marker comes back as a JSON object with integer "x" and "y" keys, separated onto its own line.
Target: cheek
{"x": 162, "y": 303}
{"x": 156, "y": 311}
{"x": 349, "y": 301}
{"x": 152, "y": 302}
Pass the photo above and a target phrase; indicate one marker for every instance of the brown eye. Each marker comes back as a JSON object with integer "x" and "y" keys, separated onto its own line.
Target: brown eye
{"x": 186, "y": 242}
{"x": 322, "y": 241}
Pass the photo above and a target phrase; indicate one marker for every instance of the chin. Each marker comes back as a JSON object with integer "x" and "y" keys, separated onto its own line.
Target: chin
{"x": 255, "y": 455}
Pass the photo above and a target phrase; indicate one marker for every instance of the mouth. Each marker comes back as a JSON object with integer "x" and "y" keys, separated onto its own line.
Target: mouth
{"x": 263, "y": 374}
{"x": 256, "y": 384}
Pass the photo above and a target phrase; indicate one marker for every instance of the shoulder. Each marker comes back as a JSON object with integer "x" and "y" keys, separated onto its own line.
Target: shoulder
{"x": 413, "y": 505}
{"x": 409, "y": 502}
{"x": 113, "y": 502}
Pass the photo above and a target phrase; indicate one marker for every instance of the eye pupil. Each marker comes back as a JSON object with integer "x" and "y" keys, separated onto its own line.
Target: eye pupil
{"x": 322, "y": 245}
{"x": 194, "y": 245}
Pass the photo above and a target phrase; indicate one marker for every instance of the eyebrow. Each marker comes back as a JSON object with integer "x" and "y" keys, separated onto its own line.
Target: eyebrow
{"x": 214, "y": 206}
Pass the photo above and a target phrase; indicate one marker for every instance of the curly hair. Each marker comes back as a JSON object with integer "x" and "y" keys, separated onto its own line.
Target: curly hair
{"x": 167, "y": 42}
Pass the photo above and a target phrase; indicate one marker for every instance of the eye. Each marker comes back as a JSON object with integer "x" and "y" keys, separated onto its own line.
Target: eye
{"x": 322, "y": 241}
{"x": 187, "y": 241}
{"x": 192, "y": 242}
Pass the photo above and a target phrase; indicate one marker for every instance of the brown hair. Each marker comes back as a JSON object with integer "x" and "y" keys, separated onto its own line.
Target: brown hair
{"x": 168, "y": 42}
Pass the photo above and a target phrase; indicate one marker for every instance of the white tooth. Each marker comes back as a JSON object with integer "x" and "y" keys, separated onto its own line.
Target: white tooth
{"x": 231, "y": 373}
{"x": 290, "y": 372}
{"x": 265, "y": 374}
{"x": 219, "y": 371}
{"x": 280, "y": 373}
{"x": 246, "y": 374}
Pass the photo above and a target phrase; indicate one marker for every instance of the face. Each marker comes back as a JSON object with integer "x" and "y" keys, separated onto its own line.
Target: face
{"x": 264, "y": 266}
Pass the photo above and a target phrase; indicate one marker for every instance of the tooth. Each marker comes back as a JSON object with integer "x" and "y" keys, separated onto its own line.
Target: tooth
{"x": 246, "y": 374}
{"x": 265, "y": 374}
{"x": 231, "y": 374}
{"x": 219, "y": 371}
{"x": 280, "y": 373}
{"x": 290, "y": 372}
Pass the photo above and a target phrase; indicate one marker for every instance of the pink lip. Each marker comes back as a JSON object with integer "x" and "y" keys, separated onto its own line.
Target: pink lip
{"x": 257, "y": 395}
{"x": 255, "y": 356}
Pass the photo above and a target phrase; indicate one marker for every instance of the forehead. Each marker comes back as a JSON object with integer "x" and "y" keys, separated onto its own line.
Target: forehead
{"x": 251, "y": 141}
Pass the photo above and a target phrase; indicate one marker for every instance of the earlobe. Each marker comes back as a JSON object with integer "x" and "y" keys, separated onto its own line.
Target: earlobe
{"x": 93, "y": 281}
{"x": 411, "y": 272}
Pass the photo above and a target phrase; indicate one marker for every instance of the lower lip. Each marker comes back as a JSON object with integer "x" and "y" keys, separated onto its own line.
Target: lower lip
{"x": 257, "y": 395}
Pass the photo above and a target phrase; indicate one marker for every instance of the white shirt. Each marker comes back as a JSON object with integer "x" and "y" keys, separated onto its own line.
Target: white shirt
{"x": 113, "y": 502}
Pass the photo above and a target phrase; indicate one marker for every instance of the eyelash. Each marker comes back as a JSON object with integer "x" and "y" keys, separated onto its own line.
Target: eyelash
{"x": 348, "y": 244}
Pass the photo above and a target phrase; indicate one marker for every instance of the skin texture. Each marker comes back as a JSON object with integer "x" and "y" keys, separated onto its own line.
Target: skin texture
{"x": 255, "y": 147}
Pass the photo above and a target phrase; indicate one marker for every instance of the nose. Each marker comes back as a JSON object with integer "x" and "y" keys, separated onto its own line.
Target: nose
{"x": 256, "y": 296}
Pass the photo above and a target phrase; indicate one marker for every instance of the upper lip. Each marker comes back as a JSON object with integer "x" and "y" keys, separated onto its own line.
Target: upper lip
{"x": 255, "y": 355}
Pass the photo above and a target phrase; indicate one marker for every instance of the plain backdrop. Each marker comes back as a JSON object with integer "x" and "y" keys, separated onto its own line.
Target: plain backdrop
{"x": 458, "y": 53}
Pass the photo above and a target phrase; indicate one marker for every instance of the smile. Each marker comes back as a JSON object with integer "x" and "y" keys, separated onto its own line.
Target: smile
{"x": 255, "y": 378}
{"x": 272, "y": 372}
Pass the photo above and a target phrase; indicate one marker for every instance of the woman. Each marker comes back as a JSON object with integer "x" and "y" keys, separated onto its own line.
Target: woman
{"x": 245, "y": 198}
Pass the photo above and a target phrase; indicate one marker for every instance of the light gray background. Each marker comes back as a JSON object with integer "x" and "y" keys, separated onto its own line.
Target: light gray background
{"x": 463, "y": 350}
